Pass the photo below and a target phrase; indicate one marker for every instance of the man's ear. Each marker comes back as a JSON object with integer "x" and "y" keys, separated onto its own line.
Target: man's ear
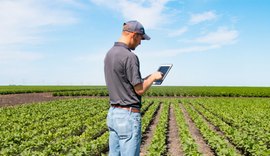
{"x": 134, "y": 35}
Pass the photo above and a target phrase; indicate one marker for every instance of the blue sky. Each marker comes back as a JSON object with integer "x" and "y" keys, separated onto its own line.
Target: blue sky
{"x": 63, "y": 42}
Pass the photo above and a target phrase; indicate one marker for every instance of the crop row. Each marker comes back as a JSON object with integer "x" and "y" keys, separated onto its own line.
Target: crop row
{"x": 158, "y": 144}
{"x": 188, "y": 144}
{"x": 41, "y": 89}
{"x": 208, "y": 91}
{"x": 183, "y": 92}
{"x": 175, "y": 91}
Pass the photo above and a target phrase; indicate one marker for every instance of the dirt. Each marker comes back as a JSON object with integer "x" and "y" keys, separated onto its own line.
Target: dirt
{"x": 147, "y": 137}
{"x": 17, "y": 99}
{"x": 174, "y": 145}
{"x": 196, "y": 135}
{"x": 26, "y": 98}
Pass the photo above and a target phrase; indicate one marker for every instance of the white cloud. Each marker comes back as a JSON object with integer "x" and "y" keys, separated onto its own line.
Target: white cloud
{"x": 151, "y": 13}
{"x": 202, "y": 17}
{"x": 178, "y": 32}
{"x": 221, "y": 37}
{"x": 24, "y": 21}
{"x": 213, "y": 40}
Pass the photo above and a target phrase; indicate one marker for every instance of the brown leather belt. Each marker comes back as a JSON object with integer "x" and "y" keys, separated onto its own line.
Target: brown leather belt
{"x": 132, "y": 109}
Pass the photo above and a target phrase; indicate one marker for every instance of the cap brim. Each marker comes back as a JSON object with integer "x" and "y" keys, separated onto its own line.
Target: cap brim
{"x": 146, "y": 37}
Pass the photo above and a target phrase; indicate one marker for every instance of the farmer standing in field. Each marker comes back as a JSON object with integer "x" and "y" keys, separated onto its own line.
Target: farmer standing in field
{"x": 125, "y": 85}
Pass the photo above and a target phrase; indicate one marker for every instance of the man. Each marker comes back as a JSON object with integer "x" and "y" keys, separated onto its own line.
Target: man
{"x": 125, "y": 85}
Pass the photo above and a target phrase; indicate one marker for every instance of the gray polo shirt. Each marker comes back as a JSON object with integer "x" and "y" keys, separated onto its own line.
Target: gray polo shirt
{"x": 122, "y": 73}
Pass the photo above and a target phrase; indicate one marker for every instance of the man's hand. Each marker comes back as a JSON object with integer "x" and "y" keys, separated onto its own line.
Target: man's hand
{"x": 157, "y": 75}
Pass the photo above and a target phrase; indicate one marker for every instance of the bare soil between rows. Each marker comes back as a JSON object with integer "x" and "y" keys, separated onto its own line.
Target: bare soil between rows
{"x": 18, "y": 99}
{"x": 196, "y": 135}
{"x": 174, "y": 145}
{"x": 147, "y": 137}
{"x": 218, "y": 131}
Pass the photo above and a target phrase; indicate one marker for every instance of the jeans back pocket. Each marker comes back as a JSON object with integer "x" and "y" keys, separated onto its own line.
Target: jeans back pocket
{"x": 123, "y": 126}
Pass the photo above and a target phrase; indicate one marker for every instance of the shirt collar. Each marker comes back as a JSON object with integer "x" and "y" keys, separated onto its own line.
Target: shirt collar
{"x": 122, "y": 45}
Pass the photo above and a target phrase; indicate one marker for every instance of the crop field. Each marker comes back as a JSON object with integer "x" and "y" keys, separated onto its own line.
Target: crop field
{"x": 171, "y": 124}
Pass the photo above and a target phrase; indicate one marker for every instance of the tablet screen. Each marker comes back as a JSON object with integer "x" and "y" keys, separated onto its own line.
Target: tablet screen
{"x": 164, "y": 69}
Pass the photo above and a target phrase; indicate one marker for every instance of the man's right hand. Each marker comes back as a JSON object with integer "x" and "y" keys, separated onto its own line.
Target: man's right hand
{"x": 158, "y": 75}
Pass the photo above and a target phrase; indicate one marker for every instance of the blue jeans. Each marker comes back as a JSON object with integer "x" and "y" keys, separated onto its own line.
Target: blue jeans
{"x": 125, "y": 132}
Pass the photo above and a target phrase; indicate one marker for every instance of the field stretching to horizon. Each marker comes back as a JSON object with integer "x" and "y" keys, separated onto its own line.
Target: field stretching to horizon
{"x": 175, "y": 121}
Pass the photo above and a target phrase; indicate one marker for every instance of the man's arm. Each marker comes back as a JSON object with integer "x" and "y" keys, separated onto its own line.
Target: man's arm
{"x": 141, "y": 88}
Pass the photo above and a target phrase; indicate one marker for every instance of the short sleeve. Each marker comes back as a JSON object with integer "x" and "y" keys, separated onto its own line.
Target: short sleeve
{"x": 133, "y": 70}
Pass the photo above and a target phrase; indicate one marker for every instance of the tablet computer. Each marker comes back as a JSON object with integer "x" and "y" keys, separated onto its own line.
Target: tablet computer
{"x": 164, "y": 69}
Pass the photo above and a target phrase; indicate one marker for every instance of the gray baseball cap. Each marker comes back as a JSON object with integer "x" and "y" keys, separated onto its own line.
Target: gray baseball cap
{"x": 135, "y": 26}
